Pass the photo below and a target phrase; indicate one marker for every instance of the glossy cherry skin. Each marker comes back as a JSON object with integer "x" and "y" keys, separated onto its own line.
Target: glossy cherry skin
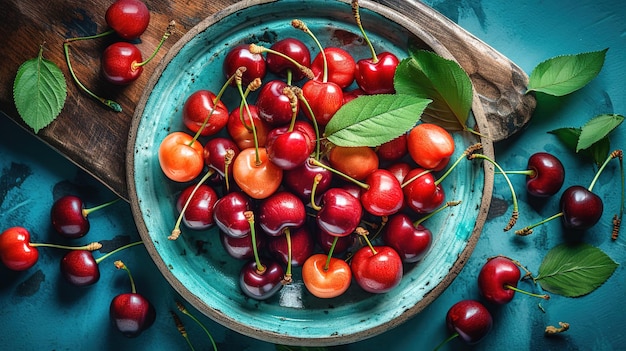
{"x": 68, "y": 217}
{"x": 581, "y": 208}
{"x": 258, "y": 180}
{"x": 215, "y": 151}
{"x": 341, "y": 66}
{"x": 470, "y": 319}
{"x": 357, "y": 162}
{"x": 324, "y": 98}
{"x": 261, "y": 285}
{"x": 410, "y": 242}
{"x": 422, "y": 195}
{"x": 494, "y": 276}
{"x": 15, "y": 250}
{"x": 242, "y": 134}
{"x": 179, "y": 158}
{"x": 131, "y": 314}
{"x": 200, "y": 107}
{"x": 288, "y": 149}
{"x": 430, "y": 146}
{"x": 340, "y": 213}
{"x": 199, "y": 212}
{"x": 274, "y": 106}
{"x": 128, "y": 18}
{"x": 302, "y": 246}
{"x": 377, "y": 77}
{"x": 280, "y": 211}
{"x": 293, "y": 48}
{"x": 241, "y": 247}
{"x": 240, "y": 56}
{"x": 119, "y": 63}
{"x": 300, "y": 179}
{"x": 79, "y": 268}
{"x": 393, "y": 150}
{"x": 326, "y": 283}
{"x": 377, "y": 272}
{"x": 547, "y": 177}
{"x": 229, "y": 214}
{"x": 384, "y": 196}
{"x": 399, "y": 170}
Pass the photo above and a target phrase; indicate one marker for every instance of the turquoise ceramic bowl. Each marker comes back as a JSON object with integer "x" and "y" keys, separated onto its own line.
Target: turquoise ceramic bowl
{"x": 206, "y": 276}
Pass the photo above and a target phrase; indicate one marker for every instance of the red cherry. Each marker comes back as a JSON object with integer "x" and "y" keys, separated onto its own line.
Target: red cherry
{"x": 80, "y": 268}
{"x": 399, "y": 170}
{"x": 69, "y": 217}
{"x": 341, "y": 66}
{"x": 325, "y": 241}
{"x": 430, "y": 146}
{"x": 422, "y": 194}
{"x": 240, "y": 56}
{"x": 300, "y": 179}
{"x": 393, "y": 150}
{"x": 120, "y": 63}
{"x": 274, "y": 106}
{"x": 340, "y": 212}
{"x": 229, "y": 214}
{"x": 350, "y": 95}
{"x": 546, "y": 175}
{"x": 376, "y": 77}
{"x": 302, "y": 246}
{"x": 581, "y": 208}
{"x": 201, "y": 111}
{"x": 15, "y": 250}
{"x": 495, "y": 278}
{"x": 470, "y": 320}
{"x": 384, "y": 195}
{"x": 288, "y": 149}
{"x": 326, "y": 281}
{"x": 411, "y": 242}
{"x": 324, "y": 98}
{"x": 293, "y": 48}
{"x": 280, "y": 211}
{"x": 261, "y": 284}
{"x": 215, "y": 151}
{"x": 241, "y": 247}
{"x": 242, "y": 133}
{"x": 128, "y": 18}
{"x": 131, "y": 313}
{"x": 199, "y": 212}
{"x": 377, "y": 271}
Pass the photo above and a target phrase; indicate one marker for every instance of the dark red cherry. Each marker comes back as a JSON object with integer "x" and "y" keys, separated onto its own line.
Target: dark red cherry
{"x": 546, "y": 176}
{"x": 240, "y": 56}
{"x": 80, "y": 268}
{"x": 274, "y": 106}
{"x": 69, "y": 217}
{"x": 261, "y": 284}
{"x": 325, "y": 241}
{"x": 581, "y": 208}
{"x": 131, "y": 314}
{"x": 229, "y": 214}
{"x": 120, "y": 63}
{"x": 393, "y": 150}
{"x": 293, "y": 48}
{"x": 469, "y": 319}
{"x": 340, "y": 212}
{"x": 411, "y": 242}
{"x": 199, "y": 212}
{"x": 241, "y": 248}
{"x": 215, "y": 151}
{"x": 279, "y": 211}
{"x": 128, "y": 18}
{"x": 302, "y": 246}
{"x": 300, "y": 179}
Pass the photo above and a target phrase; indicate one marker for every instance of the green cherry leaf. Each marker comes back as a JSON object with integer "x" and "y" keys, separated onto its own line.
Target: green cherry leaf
{"x": 372, "y": 120}
{"x": 39, "y": 91}
{"x": 574, "y": 270}
{"x": 428, "y": 75}
{"x": 597, "y": 128}
{"x": 565, "y": 74}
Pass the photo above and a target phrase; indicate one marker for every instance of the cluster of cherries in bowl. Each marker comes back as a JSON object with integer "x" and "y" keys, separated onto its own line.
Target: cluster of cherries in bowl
{"x": 281, "y": 195}
{"x": 130, "y": 312}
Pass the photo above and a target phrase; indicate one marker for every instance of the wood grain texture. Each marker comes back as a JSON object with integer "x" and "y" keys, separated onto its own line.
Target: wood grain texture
{"x": 95, "y": 138}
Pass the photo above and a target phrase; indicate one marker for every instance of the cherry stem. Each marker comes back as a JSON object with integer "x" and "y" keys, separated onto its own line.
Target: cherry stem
{"x": 181, "y": 329}
{"x": 364, "y": 233}
{"x": 168, "y": 31}
{"x": 541, "y": 296}
{"x": 383, "y": 222}
{"x": 450, "y": 338}
{"x": 244, "y": 101}
{"x": 293, "y": 103}
{"x": 426, "y": 171}
{"x": 258, "y": 49}
{"x": 186, "y": 312}
{"x": 529, "y": 229}
{"x": 228, "y": 160}
{"x": 176, "y": 231}
{"x": 120, "y": 265}
{"x": 528, "y": 172}
{"x": 441, "y": 208}
{"x": 301, "y": 97}
{"x": 217, "y": 99}
{"x": 330, "y": 253}
{"x": 316, "y": 180}
{"x": 467, "y": 152}
{"x": 613, "y": 155}
{"x": 299, "y": 24}
{"x": 287, "y": 278}
{"x": 103, "y": 257}
{"x": 106, "y": 102}
{"x": 617, "y": 219}
{"x": 89, "y": 37}
{"x": 347, "y": 177}
{"x": 357, "y": 17}
{"x": 87, "y": 211}
{"x": 89, "y": 247}
{"x": 259, "y": 266}
{"x": 515, "y": 213}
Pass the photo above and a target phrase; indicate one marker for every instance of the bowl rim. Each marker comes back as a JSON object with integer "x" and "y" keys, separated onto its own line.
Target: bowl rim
{"x": 269, "y": 336}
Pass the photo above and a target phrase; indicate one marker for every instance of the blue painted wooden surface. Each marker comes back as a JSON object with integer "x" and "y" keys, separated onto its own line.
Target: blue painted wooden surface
{"x": 39, "y": 311}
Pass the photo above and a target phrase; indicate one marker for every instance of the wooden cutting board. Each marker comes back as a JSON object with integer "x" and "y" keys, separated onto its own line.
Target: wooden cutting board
{"x": 95, "y": 138}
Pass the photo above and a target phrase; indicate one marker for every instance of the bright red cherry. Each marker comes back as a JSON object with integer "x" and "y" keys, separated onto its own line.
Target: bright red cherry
{"x": 410, "y": 241}
{"x": 128, "y": 18}
{"x": 341, "y": 66}
{"x": 288, "y": 149}
{"x": 121, "y": 63}
{"x": 324, "y": 98}
{"x": 376, "y": 77}
{"x": 422, "y": 194}
{"x": 495, "y": 278}
{"x": 15, "y": 250}
{"x": 293, "y": 48}
{"x": 378, "y": 269}
{"x": 201, "y": 111}
{"x": 384, "y": 196}
{"x": 393, "y": 150}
